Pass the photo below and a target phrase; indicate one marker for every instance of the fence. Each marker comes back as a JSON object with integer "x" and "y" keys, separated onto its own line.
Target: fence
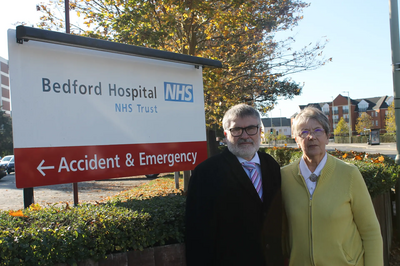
{"x": 383, "y": 209}
{"x": 364, "y": 139}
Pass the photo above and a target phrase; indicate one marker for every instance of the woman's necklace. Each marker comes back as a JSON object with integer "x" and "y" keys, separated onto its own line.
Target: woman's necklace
{"x": 313, "y": 177}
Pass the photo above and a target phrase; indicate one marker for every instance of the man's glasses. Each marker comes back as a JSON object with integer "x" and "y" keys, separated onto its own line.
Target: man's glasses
{"x": 238, "y": 131}
{"x": 318, "y": 132}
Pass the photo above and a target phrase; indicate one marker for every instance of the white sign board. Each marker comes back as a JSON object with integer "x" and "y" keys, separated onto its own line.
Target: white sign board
{"x": 81, "y": 114}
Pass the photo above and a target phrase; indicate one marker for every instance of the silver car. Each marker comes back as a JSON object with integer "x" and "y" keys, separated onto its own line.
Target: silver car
{"x": 3, "y": 165}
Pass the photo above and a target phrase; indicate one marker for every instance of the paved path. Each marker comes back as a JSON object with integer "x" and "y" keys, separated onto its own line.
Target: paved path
{"x": 11, "y": 198}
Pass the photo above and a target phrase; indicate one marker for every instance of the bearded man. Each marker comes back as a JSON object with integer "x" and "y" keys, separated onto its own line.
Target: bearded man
{"x": 234, "y": 205}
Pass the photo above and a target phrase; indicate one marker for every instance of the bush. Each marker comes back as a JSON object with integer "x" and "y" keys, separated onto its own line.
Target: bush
{"x": 283, "y": 155}
{"x": 384, "y": 138}
{"x": 46, "y": 236}
{"x": 380, "y": 172}
{"x": 388, "y": 137}
{"x": 379, "y": 177}
{"x": 359, "y": 139}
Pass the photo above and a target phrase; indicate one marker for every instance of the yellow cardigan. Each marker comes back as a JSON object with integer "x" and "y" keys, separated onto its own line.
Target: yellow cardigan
{"x": 338, "y": 225}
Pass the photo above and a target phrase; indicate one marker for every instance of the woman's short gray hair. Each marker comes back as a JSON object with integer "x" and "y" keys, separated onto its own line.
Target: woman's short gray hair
{"x": 310, "y": 113}
{"x": 240, "y": 110}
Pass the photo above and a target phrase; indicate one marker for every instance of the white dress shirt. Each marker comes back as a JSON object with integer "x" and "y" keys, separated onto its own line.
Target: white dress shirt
{"x": 305, "y": 172}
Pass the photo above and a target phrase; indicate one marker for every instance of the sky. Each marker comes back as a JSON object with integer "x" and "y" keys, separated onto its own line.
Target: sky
{"x": 359, "y": 44}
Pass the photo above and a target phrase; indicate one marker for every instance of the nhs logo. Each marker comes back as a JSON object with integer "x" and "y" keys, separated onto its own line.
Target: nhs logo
{"x": 178, "y": 92}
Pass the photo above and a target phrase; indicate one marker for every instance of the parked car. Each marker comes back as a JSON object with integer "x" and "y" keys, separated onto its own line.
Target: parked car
{"x": 10, "y": 166}
{"x": 4, "y": 162}
{"x": 3, "y": 165}
{"x": 152, "y": 175}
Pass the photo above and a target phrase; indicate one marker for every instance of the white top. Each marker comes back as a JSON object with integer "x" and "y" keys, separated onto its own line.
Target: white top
{"x": 305, "y": 172}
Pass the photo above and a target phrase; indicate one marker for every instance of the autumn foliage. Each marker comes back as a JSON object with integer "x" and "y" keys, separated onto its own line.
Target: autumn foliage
{"x": 241, "y": 34}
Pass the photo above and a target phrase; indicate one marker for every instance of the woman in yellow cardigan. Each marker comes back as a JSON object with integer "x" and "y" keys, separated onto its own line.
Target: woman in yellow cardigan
{"x": 330, "y": 216}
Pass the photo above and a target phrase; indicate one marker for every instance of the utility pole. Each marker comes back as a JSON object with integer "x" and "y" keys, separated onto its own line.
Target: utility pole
{"x": 333, "y": 121}
{"x": 68, "y": 30}
{"x": 350, "y": 125}
{"x": 395, "y": 43}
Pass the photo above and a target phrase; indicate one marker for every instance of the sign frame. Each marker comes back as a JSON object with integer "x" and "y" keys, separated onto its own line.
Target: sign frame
{"x": 74, "y": 163}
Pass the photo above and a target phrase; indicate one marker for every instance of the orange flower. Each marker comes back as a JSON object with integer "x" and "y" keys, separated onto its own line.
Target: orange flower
{"x": 358, "y": 158}
{"x": 17, "y": 213}
{"x": 381, "y": 159}
{"x": 345, "y": 156}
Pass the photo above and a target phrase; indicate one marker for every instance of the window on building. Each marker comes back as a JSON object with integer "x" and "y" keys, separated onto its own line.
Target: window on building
{"x": 325, "y": 109}
{"x": 335, "y": 110}
{"x": 346, "y": 118}
{"x": 335, "y": 119}
{"x": 345, "y": 109}
{"x": 362, "y": 106}
{"x": 376, "y": 122}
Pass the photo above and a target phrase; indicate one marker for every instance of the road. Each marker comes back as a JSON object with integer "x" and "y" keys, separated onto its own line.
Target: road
{"x": 91, "y": 191}
{"x": 383, "y": 148}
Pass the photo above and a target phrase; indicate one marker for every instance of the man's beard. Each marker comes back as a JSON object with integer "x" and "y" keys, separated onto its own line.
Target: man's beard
{"x": 247, "y": 151}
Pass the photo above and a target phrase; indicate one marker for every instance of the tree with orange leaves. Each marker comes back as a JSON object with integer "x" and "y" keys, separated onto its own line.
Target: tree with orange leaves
{"x": 390, "y": 120}
{"x": 237, "y": 32}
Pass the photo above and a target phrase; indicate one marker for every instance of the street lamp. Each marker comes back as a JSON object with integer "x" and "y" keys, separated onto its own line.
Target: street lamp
{"x": 333, "y": 121}
{"x": 350, "y": 125}
{"x": 394, "y": 37}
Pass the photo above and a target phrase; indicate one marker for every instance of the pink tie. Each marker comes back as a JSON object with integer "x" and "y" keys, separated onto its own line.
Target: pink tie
{"x": 254, "y": 177}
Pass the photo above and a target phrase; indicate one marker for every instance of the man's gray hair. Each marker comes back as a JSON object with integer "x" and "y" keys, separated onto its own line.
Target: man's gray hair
{"x": 240, "y": 110}
{"x": 310, "y": 113}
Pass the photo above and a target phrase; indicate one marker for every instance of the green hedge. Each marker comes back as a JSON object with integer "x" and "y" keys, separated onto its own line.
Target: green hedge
{"x": 283, "y": 155}
{"x": 379, "y": 177}
{"x": 52, "y": 235}
{"x": 68, "y": 235}
{"x": 388, "y": 137}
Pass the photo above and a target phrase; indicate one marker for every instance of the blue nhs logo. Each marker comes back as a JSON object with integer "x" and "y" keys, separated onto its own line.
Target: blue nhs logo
{"x": 178, "y": 92}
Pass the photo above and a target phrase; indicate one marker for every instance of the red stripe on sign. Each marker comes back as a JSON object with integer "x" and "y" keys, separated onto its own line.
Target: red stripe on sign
{"x": 59, "y": 165}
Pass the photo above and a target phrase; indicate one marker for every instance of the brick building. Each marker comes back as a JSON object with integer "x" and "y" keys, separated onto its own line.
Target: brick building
{"x": 5, "y": 96}
{"x": 376, "y": 107}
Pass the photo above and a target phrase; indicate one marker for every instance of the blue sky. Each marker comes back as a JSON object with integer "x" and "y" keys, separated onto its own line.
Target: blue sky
{"x": 359, "y": 43}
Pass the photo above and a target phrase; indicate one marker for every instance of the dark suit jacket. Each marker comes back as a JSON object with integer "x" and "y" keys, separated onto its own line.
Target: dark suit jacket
{"x": 226, "y": 221}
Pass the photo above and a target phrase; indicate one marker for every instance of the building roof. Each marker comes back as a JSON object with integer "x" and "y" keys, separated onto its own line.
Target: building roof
{"x": 316, "y": 105}
{"x": 276, "y": 122}
{"x": 374, "y": 103}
